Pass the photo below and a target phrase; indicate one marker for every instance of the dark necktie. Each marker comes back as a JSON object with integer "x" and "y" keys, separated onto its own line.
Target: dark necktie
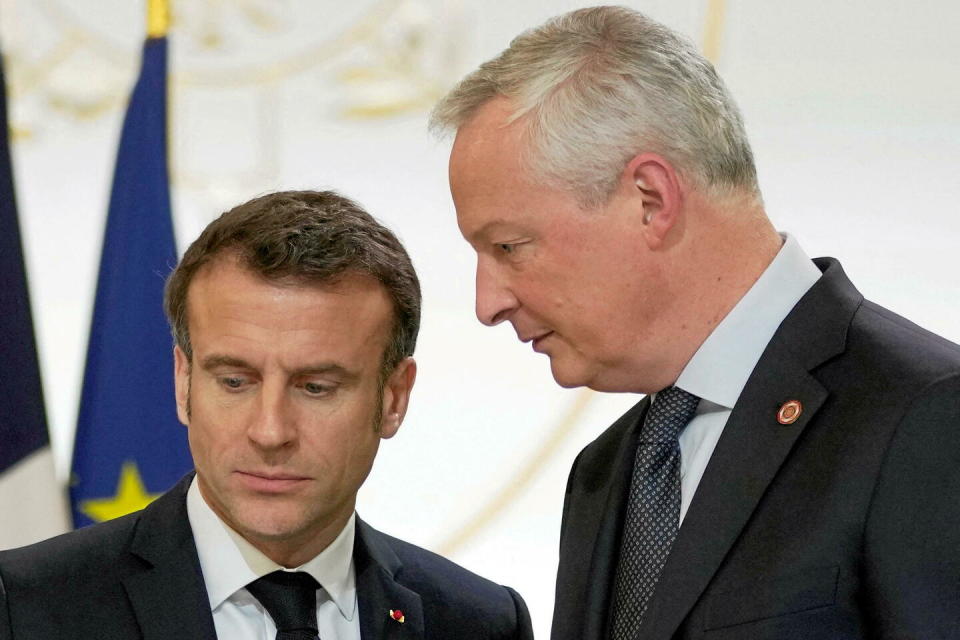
{"x": 653, "y": 508}
{"x": 290, "y": 597}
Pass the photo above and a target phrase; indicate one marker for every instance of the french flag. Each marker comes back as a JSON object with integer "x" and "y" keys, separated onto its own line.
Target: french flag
{"x": 32, "y": 502}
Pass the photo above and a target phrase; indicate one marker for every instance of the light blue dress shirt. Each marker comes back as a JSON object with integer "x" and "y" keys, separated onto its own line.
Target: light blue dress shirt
{"x": 719, "y": 369}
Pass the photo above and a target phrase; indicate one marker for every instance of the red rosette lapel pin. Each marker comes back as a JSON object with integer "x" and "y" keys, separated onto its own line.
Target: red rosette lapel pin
{"x": 397, "y": 615}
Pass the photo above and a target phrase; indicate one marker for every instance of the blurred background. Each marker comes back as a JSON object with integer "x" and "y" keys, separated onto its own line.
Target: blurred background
{"x": 853, "y": 109}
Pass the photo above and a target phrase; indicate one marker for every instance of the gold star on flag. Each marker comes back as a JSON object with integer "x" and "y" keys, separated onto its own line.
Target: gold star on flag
{"x": 131, "y": 496}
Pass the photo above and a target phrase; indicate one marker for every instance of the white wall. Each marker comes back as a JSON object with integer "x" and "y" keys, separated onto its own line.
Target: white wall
{"x": 853, "y": 108}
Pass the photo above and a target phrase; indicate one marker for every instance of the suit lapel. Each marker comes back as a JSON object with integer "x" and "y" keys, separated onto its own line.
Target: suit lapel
{"x": 379, "y": 592}
{"x": 606, "y": 550}
{"x": 591, "y": 533}
{"x": 169, "y": 597}
{"x": 753, "y": 447}
{"x": 749, "y": 454}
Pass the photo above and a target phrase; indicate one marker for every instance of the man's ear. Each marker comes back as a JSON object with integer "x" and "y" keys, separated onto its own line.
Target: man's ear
{"x": 181, "y": 381}
{"x": 396, "y": 396}
{"x": 653, "y": 184}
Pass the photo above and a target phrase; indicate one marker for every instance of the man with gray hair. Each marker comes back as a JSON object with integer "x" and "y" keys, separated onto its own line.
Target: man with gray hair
{"x": 792, "y": 472}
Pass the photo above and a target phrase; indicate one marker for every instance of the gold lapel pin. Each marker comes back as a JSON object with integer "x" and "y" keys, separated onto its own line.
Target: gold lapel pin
{"x": 789, "y": 412}
{"x": 397, "y": 615}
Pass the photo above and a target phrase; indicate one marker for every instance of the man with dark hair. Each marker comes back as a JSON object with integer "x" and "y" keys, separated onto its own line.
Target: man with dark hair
{"x": 295, "y": 317}
{"x": 793, "y": 471}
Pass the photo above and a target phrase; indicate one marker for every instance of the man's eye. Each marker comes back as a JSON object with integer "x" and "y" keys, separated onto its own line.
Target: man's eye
{"x": 507, "y": 248}
{"x": 231, "y": 382}
{"x": 315, "y": 388}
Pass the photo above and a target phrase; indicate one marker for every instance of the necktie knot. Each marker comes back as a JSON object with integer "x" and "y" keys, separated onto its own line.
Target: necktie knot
{"x": 290, "y": 597}
{"x": 671, "y": 411}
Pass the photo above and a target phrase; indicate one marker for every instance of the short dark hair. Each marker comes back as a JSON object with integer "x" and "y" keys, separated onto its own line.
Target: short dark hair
{"x": 308, "y": 236}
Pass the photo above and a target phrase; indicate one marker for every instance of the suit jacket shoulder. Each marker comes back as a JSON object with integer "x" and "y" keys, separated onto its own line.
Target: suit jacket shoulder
{"x": 907, "y": 354}
{"x": 134, "y": 577}
{"x": 81, "y": 554}
{"x": 70, "y": 581}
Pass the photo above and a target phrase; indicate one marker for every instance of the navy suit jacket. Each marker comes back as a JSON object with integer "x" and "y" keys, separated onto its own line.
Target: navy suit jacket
{"x": 139, "y": 577}
{"x": 844, "y": 524}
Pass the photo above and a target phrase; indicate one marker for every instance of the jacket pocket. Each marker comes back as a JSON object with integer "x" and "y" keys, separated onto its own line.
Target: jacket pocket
{"x": 773, "y": 597}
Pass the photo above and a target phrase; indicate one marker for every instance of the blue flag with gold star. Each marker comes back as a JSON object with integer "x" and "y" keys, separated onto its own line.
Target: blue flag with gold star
{"x": 130, "y": 446}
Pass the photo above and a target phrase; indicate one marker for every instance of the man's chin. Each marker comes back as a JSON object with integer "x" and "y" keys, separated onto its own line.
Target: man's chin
{"x": 267, "y": 522}
{"x": 567, "y": 376}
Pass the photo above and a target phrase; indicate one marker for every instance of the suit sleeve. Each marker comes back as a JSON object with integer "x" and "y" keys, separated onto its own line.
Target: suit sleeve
{"x": 524, "y": 630}
{"x": 912, "y": 537}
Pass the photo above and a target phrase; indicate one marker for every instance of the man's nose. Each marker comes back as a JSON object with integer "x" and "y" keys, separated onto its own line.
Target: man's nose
{"x": 495, "y": 300}
{"x": 272, "y": 426}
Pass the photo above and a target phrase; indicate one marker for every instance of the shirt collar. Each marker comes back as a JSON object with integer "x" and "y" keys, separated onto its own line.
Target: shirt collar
{"x": 229, "y": 562}
{"x": 719, "y": 370}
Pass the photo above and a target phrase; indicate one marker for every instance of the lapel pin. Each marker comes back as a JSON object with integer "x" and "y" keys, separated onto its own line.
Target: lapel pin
{"x": 789, "y": 412}
{"x": 397, "y": 615}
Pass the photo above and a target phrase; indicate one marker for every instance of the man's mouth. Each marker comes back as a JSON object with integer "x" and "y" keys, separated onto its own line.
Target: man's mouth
{"x": 538, "y": 340}
{"x": 270, "y": 481}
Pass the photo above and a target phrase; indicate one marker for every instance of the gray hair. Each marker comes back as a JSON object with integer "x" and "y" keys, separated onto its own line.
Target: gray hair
{"x": 597, "y": 86}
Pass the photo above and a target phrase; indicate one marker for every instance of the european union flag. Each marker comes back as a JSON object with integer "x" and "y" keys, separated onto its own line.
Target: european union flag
{"x": 130, "y": 445}
{"x": 30, "y": 498}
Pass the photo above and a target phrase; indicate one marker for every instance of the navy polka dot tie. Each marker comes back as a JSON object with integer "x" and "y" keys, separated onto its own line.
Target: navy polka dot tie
{"x": 290, "y": 597}
{"x": 653, "y": 509}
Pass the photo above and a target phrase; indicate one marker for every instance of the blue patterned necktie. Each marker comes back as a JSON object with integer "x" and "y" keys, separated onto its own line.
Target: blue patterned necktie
{"x": 653, "y": 509}
{"x": 290, "y": 597}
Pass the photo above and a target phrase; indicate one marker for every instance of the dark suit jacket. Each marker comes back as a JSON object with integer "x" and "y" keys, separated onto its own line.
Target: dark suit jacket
{"x": 844, "y": 524}
{"x": 139, "y": 577}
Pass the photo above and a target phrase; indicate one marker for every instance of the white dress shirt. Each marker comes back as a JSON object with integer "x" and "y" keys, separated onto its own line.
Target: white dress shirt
{"x": 719, "y": 369}
{"x": 229, "y": 563}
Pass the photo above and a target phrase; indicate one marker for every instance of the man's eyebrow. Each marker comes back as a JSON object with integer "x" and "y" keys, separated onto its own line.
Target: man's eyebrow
{"x": 216, "y": 360}
{"x": 486, "y": 228}
{"x": 323, "y": 368}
